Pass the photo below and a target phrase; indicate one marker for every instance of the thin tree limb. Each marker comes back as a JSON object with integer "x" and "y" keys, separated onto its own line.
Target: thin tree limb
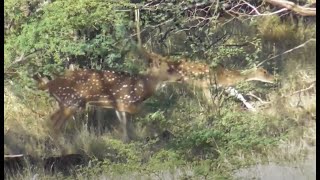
{"x": 259, "y": 99}
{"x": 302, "y": 90}
{"x": 303, "y": 11}
{"x": 23, "y": 57}
{"x": 137, "y": 19}
{"x": 290, "y": 50}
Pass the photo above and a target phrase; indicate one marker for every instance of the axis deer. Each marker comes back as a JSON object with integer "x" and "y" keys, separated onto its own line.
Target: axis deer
{"x": 201, "y": 74}
{"x": 204, "y": 77}
{"x": 108, "y": 89}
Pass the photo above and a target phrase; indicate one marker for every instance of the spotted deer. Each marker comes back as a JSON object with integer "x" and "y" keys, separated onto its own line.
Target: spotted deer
{"x": 204, "y": 77}
{"x": 121, "y": 91}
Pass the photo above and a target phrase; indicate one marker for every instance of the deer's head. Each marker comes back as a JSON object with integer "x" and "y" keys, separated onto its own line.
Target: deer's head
{"x": 164, "y": 70}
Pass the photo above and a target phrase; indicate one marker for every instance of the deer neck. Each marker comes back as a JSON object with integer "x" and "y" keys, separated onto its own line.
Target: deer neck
{"x": 250, "y": 76}
{"x": 238, "y": 77}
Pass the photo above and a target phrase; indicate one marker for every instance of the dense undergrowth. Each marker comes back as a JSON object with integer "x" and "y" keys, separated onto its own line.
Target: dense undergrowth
{"x": 203, "y": 143}
{"x": 176, "y": 135}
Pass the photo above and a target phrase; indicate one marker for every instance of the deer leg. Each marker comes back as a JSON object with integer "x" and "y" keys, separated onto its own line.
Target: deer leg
{"x": 121, "y": 110}
{"x": 55, "y": 117}
{"x": 60, "y": 117}
{"x": 67, "y": 114}
{"x": 123, "y": 121}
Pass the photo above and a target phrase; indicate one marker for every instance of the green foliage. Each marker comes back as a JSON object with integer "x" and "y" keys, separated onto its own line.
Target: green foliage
{"x": 224, "y": 53}
{"x": 97, "y": 34}
{"x": 228, "y": 133}
{"x": 164, "y": 160}
{"x": 87, "y": 32}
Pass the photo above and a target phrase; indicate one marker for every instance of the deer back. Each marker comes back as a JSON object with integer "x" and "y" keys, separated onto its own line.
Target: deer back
{"x": 110, "y": 88}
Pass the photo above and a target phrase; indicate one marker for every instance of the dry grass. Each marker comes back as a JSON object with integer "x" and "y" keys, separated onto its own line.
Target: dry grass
{"x": 24, "y": 124}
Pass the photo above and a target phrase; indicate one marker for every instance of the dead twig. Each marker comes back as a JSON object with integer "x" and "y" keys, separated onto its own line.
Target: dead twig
{"x": 259, "y": 99}
{"x": 290, "y": 50}
{"x": 302, "y": 90}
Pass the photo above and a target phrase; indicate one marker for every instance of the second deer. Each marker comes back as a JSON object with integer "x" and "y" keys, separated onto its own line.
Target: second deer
{"x": 204, "y": 77}
{"x": 200, "y": 75}
{"x": 107, "y": 89}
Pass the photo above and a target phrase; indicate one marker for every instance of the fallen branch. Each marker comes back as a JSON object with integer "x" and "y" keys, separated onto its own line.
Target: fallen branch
{"x": 13, "y": 156}
{"x": 283, "y": 4}
{"x": 303, "y": 11}
{"x": 254, "y": 9}
{"x": 233, "y": 92}
{"x": 259, "y": 99}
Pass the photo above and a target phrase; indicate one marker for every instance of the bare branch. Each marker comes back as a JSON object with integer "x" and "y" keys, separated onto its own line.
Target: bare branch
{"x": 233, "y": 92}
{"x": 137, "y": 19}
{"x": 259, "y": 99}
{"x": 21, "y": 58}
{"x": 286, "y": 5}
{"x": 302, "y": 90}
{"x": 13, "y": 156}
{"x": 303, "y": 11}
{"x": 290, "y": 50}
